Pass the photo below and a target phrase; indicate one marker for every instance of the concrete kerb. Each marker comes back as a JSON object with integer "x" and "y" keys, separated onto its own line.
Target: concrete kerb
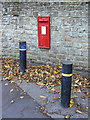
{"x": 54, "y": 110}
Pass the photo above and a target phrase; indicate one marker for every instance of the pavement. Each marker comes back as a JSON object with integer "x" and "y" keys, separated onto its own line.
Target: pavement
{"x": 18, "y": 108}
{"x": 52, "y": 107}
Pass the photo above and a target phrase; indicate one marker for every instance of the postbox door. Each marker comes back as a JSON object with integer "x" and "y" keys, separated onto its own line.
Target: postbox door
{"x": 43, "y": 32}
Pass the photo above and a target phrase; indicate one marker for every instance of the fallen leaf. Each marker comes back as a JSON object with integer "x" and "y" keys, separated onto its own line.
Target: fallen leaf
{"x": 78, "y": 90}
{"x": 6, "y": 84}
{"x": 83, "y": 97}
{"x": 55, "y": 97}
{"x": 11, "y": 90}
{"x": 43, "y": 97}
{"x": 12, "y": 101}
{"x": 52, "y": 101}
{"x": 57, "y": 91}
{"x": 77, "y": 111}
{"x": 7, "y": 66}
{"x": 67, "y": 116}
{"x": 88, "y": 93}
{"x": 21, "y": 97}
{"x": 27, "y": 81}
{"x": 53, "y": 89}
{"x": 71, "y": 105}
{"x": 40, "y": 83}
{"x": 71, "y": 102}
{"x": 60, "y": 67}
{"x": 12, "y": 81}
{"x": 59, "y": 83}
{"x": 18, "y": 83}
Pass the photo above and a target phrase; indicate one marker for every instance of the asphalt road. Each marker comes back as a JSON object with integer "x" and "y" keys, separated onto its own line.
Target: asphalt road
{"x": 21, "y": 108}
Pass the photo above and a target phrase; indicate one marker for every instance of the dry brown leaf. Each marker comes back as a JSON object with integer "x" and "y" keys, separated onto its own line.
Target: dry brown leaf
{"x": 40, "y": 83}
{"x": 77, "y": 111}
{"x": 78, "y": 90}
{"x": 58, "y": 91}
{"x": 43, "y": 97}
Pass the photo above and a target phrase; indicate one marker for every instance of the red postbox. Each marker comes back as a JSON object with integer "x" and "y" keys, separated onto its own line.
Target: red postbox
{"x": 44, "y": 32}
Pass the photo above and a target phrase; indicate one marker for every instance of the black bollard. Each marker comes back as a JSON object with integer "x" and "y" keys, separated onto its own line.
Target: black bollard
{"x": 22, "y": 48}
{"x": 66, "y": 84}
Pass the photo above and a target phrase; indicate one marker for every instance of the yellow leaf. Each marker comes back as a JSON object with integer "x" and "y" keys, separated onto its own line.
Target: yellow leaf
{"x": 55, "y": 72}
{"x": 53, "y": 89}
{"x": 43, "y": 97}
{"x": 67, "y": 116}
{"x": 71, "y": 101}
{"x": 60, "y": 67}
{"x": 53, "y": 76}
{"x": 77, "y": 81}
{"x": 40, "y": 83}
{"x": 88, "y": 93}
{"x": 36, "y": 70}
{"x": 12, "y": 81}
{"x": 27, "y": 81}
{"x": 21, "y": 97}
{"x": 55, "y": 97}
{"x": 49, "y": 83}
{"x": 71, "y": 105}
{"x": 11, "y": 90}
{"x": 6, "y": 83}
{"x": 85, "y": 85}
{"x": 59, "y": 83}
{"x": 7, "y": 66}
{"x": 80, "y": 83}
{"x": 42, "y": 75}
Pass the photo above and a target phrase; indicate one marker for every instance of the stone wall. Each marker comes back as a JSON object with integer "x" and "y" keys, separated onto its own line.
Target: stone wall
{"x": 68, "y": 31}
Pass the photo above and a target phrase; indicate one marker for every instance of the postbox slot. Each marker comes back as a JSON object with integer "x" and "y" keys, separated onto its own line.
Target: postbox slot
{"x": 43, "y": 21}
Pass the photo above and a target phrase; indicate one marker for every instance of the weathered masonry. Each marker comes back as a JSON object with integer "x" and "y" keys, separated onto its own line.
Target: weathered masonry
{"x": 68, "y": 31}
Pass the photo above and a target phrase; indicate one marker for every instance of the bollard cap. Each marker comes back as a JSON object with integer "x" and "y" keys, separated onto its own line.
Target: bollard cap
{"x": 67, "y": 63}
{"x": 67, "y": 67}
{"x": 22, "y": 44}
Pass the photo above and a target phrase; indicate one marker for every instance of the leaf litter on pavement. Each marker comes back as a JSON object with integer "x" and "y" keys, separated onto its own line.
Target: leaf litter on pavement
{"x": 48, "y": 76}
